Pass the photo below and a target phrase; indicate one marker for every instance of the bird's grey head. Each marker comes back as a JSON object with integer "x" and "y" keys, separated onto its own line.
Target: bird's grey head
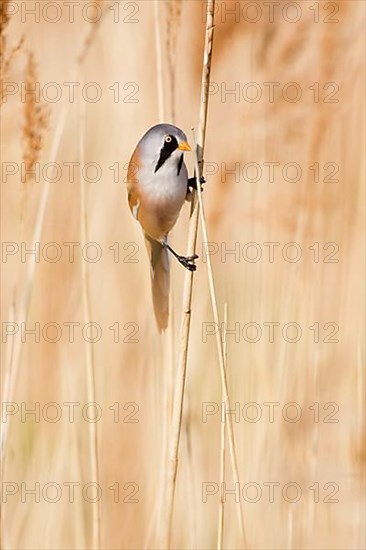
{"x": 164, "y": 145}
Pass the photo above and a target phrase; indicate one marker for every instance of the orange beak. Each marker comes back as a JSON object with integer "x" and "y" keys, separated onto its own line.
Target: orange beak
{"x": 184, "y": 146}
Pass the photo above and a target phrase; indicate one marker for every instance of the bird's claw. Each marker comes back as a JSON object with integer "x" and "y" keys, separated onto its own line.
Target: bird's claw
{"x": 192, "y": 182}
{"x": 188, "y": 262}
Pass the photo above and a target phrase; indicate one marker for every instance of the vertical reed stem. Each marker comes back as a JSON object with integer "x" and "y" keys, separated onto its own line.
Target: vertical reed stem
{"x": 20, "y": 311}
{"x": 187, "y": 292}
{"x": 228, "y": 409}
{"x": 159, "y": 62}
{"x": 89, "y": 350}
{"x": 220, "y": 532}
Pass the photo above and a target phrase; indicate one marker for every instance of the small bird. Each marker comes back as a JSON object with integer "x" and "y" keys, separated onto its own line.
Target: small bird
{"x": 158, "y": 185}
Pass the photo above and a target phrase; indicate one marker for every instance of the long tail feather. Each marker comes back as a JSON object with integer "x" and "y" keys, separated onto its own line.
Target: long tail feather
{"x": 160, "y": 280}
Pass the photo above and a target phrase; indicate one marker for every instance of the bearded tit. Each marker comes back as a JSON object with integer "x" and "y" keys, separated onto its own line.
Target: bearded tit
{"x": 158, "y": 185}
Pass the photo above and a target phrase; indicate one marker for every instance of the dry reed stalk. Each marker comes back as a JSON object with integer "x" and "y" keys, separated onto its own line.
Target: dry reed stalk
{"x": 220, "y": 531}
{"x": 5, "y": 62}
{"x": 168, "y": 349}
{"x": 86, "y": 295}
{"x": 176, "y": 425}
{"x": 5, "y": 398}
{"x": 23, "y": 306}
{"x": 92, "y": 32}
{"x": 4, "y": 20}
{"x": 314, "y": 443}
{"x": 173, "y": 9}
{"x": 190, "y": 476}
{"x": 229, "y": 423}
{"x": 36, "y": 121}
{"x": 290, "y": 528}
{"x": 89, "y": 347}
{"x": 21, "y": 315}
{"x": 159, "y": 62}
{"x": 6, "y": 389}
{"x": 360, "y": 419}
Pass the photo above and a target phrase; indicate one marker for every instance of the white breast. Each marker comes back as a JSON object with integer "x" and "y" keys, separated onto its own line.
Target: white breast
{"x": 165, "y": 185}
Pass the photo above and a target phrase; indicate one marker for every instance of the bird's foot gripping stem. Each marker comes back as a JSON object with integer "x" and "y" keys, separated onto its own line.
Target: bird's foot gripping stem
{"x": 186, "y": 261}
{"x": 192, "y": 182}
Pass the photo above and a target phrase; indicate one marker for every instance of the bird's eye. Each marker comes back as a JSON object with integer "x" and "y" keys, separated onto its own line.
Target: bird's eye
{"x": 168, "y": 139}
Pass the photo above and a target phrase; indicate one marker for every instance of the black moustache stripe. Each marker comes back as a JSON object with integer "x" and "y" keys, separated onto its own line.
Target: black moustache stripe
{"x": 166, "y": 152}
{"x": 180, "y": 164}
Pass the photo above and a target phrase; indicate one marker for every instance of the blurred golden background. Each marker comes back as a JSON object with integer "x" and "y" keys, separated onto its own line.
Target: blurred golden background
{"x": 284, "y": 159}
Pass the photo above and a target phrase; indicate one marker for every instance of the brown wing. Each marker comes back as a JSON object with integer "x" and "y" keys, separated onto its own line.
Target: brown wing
{"x": 151, "y": 222}
{"x": 133, "y": 184}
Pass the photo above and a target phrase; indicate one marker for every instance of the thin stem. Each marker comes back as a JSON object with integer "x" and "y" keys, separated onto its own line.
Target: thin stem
{"x": 159, "y": 62}
{"x": 23, "y": 306}
{"x": 21, "y": 310}
{"x": 89, "y": 349}
{"x": 187, "y": 292}
{"x": 229, "y": 423}
{"x": 220, "y": 533}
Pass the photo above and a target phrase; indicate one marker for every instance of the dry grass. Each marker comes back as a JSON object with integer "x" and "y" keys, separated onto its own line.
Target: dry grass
{"x": 173, "y": 9}
{"x": 196, "y": 208}
{"x": 221, "y": 522}
{"x": 89, "y": 360}
{"x": 237, "y": 211}
{"x": 6, "y": 57}
{"x": 35, "y": 121}
{"x": 99, "y": 6}
{"x": 4, "y": 20}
